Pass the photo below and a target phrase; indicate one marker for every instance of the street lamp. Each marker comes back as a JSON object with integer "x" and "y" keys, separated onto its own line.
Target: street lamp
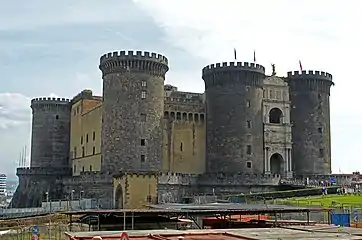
{"x": 71, "y": 199}
{"x": 81, "y": 193}
{"x": 47, "y": 199}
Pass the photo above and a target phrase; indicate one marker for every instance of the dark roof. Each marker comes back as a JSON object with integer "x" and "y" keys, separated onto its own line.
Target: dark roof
{"x": 198, "y": 209}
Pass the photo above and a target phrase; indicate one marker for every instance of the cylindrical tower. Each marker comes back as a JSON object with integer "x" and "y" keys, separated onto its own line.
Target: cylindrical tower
{"x": 133, "y": 101}
{"x": 310, "y": 117}
{"x": 234, "y": 127}
{"x": 50, "y": 132}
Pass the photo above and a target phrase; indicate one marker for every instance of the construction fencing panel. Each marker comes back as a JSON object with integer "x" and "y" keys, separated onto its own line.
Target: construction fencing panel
{"x": 341, "y": 219}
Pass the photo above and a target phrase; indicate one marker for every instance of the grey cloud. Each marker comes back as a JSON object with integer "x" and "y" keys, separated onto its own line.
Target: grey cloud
{"x": 39, "y": 13}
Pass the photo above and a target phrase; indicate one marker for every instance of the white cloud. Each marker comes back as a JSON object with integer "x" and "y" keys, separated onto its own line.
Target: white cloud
{"x": 325, "y": 35}
{"x": 14, "y": 110}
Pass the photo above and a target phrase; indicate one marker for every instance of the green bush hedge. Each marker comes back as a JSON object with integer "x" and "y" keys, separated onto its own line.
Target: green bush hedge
{"x": 242, "y": 198}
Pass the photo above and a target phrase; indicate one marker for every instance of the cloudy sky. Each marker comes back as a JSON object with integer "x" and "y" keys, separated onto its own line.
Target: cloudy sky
{"x": 53, "y": 48}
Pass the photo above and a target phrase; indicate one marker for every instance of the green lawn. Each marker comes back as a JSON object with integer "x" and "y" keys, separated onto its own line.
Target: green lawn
{"x": 325, "y": 201}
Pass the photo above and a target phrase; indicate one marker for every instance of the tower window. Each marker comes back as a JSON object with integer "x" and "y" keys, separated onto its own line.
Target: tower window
{"x": 83, "y": 152}
{"x": 181, "y": 146}
{"x": 248, "y": 103}
{"x": 143, "y": 117}
{"x": 83, "y": 169}
{"x": 143, "y": 142}
{"x": 75, "y": 152}
{"x": 321, "y": 152}
{"x": 144, "y": 83}
{"x": 86, "y": 138}
{"x": 94, "y": 150}
{"x": 56, "y": 116}
{"x": 248, "y": 123}
{"x": 143, "y": 94}
{"x": 320, "y": 130}
{"x": 248, "y": 164}
{"x": 275, "y": 116}
{"x": 75, "y": 168}
{"x": 81, "y": 139}
{"x": 90, "y": 168}
{"x": 247, "y": 88}
{"x": 248, "y": 149}
{"x": 94, "y": 136}
{"x": 143, "y": 158}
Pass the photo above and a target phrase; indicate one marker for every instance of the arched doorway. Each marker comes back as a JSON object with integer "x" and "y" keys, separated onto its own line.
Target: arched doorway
{"x": 276, "y": 164}
{"x": 119, "y": 197}
{"x": 275, "y": 116}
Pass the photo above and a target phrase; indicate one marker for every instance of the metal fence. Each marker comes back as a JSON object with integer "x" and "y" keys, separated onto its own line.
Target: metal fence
{"x": 354, "y": 210}
{"x": 49, "y": 207}
{"x": 51, "y": 231}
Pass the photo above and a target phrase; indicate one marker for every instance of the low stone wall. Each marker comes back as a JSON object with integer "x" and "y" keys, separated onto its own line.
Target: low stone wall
{"x": 281, "y": 194}
{"x": 93, "y": 185}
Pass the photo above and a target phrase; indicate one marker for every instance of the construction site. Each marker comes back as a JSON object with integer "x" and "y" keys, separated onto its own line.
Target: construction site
{"x": 183, "y": 221}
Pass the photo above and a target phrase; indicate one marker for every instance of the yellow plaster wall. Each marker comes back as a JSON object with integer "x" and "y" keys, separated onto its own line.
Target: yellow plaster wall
{"x": 183, "y": 146}
{"x": 86, "y": 135}
{"x": 136, "y": 188}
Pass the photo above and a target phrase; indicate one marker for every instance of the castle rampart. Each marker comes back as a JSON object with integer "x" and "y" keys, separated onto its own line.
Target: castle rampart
{"x": 50, "y": 132}
{"x": 43, "y": 171}
{"x": 232, "y": 66}
{"x": 308, "y": 81}
{"x": 152, "y": 63}
{"x": 234, "y": 127}
{"x": 310, "y": 118}
{"x": 133, "y": 91}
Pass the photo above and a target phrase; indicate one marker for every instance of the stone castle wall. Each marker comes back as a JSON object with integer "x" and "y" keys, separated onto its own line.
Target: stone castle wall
{"x": 93, "y": 185}
{"x": 137, "y": 108}
{"x": 37, "y": 185}
{"x": 133, "y": 103}
{"x": 233, "y": 99}
{"x": 310, "y": 116}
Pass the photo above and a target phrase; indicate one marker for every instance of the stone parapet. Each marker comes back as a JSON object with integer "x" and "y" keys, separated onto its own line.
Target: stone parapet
{"x": 41, "y": 171}
{"x": 221, "y": 179}
{"x": 89, "y": 177}
{"x": 177, "y": 179}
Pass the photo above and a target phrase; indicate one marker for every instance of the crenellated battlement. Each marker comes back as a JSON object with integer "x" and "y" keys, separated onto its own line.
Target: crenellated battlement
{"x": 233, "y": 66}
{"x": 310, "y": 74}
{"x": 239, "y": 179}
{"x": 39, "y": 171}
{"x": 163, "y": 174}
{"x": 49, "y": 102}
{"x": 136, "y": 174}
{"x": 122, "y": 61}
{"x": 170, "y": 178}
{"x": 138, "y": 55}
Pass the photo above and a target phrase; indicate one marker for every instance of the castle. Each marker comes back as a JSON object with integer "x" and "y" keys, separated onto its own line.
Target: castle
{"x": 146, "y": 142}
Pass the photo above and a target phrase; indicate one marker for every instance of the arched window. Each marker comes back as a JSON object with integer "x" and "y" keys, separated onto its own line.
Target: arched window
{"x": 275, "y": 116}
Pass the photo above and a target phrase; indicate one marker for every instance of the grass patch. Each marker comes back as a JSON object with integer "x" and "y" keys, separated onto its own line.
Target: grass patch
{"x": 324, "y": 201}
